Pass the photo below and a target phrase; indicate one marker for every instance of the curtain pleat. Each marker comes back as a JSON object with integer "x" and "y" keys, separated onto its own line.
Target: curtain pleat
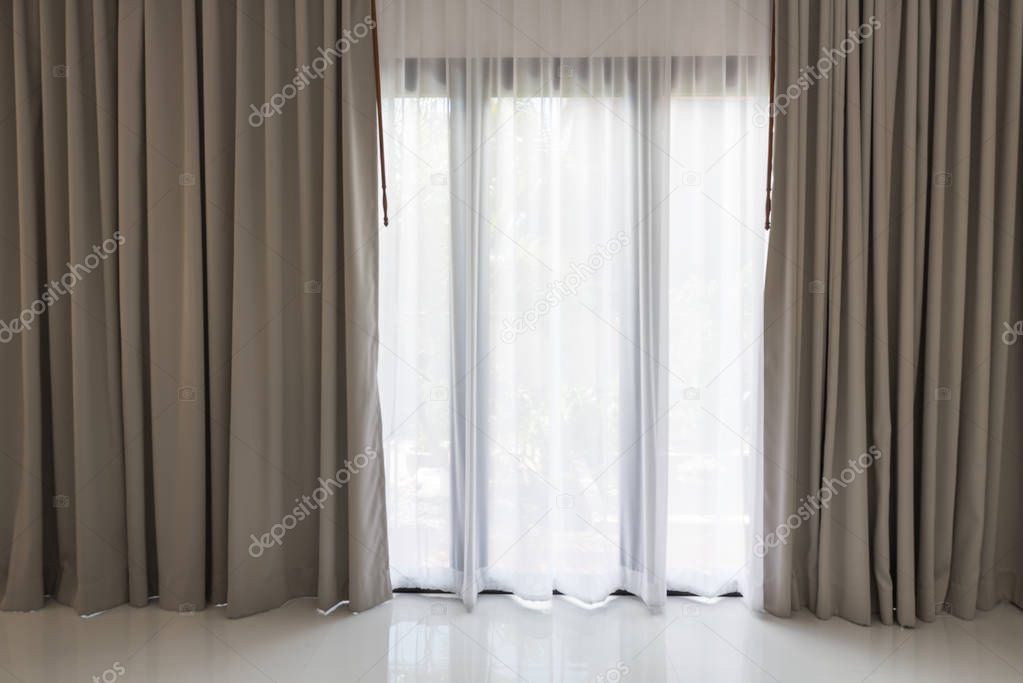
{"x": 892, "y": 276}
{"x": 212, "y": 368}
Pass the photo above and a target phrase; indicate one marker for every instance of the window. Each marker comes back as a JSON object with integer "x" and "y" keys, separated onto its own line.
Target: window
{"x": 570, "y": 314}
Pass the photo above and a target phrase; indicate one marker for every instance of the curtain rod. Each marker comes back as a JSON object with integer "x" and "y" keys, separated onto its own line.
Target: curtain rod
{"x": 380, "y": 111}
{"x": 770, "y": 123}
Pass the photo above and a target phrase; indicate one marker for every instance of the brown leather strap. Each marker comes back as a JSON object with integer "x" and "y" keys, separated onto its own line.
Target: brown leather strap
{"x": 380, "y": 111}
{"x": 770, "y": 123}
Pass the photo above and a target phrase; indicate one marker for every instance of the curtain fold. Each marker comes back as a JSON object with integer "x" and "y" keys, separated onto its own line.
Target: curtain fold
{"x": 188, "y": 301}
{"x": 892, "y": 304}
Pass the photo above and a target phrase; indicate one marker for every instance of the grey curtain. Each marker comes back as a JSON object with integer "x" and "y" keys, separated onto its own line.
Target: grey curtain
{"x": 895, "y": 273}
{"x": 172, "y": 412}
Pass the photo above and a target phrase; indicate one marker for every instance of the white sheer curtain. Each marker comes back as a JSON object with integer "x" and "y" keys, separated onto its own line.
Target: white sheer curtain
{"x": 571, "y": 294}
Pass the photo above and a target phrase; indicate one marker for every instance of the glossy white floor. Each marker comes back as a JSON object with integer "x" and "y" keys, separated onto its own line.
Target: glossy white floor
{"x": 431, "y": 638}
